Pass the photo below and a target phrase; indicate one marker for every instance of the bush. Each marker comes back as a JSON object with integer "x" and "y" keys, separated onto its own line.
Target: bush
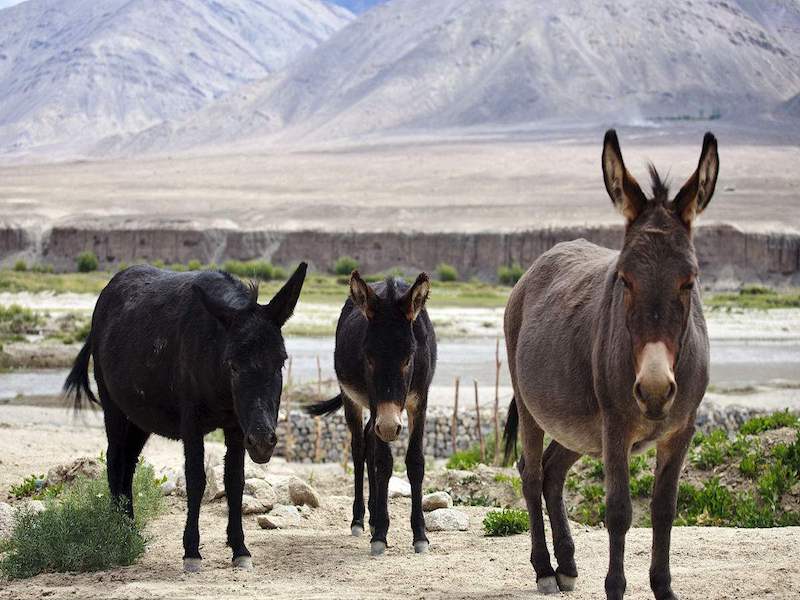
{"x": 510, "y": 275}
{"x": 464, "y": 460}
{"x": 42, "y": 268}
{"x": 194, "y": 265}
{"x": 345, "y": 265}
{"x": 16, "y": 320}
{"x": 256, "y": 269}
{"x": 82, "y": 530}
{"x": 157, "y": 263}
{"x": 87, "y": 262}
{"x": 446, "y": 272}
{"x": 710, "y": 450}
{"x": 508, "y": 521}
{"x": 773, "y": 421}
{"x": 21, "y": 266}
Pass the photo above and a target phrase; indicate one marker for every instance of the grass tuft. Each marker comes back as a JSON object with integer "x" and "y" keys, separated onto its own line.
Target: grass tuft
{"x": 508, "y": 521}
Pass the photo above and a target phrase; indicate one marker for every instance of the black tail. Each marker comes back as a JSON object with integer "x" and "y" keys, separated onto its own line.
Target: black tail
{"x": 326, "y": 407}
{"x": 78, "y": 378}
{"x": 510, "y": 432}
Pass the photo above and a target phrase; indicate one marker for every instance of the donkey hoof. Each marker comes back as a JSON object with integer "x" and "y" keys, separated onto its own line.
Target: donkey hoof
{"x": 243, "y": 562}
{"x": 371, "y": 530}
{"x": 421, "y": 547}
{"x": 566, "y": 583}
{"x": 547, "y": 585}
{"x": 192, "y": 565}
{"x": 356, "y": 530}
{"x": 377, "y": 548}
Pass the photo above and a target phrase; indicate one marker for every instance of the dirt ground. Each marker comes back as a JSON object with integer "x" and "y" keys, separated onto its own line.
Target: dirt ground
{"x": 321, "y": 560}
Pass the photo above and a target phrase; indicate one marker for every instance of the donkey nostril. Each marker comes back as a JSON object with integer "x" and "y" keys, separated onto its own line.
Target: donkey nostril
{"x": 273, "y": 439}
{"x": 672, "y": 390}
{"x": 637, "y": 391}
{"x": 250, "y": 441}
{"x": 397, "y": 431}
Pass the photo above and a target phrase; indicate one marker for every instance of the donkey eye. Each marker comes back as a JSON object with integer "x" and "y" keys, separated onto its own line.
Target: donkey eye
{"x": 687, "y": 286}
{"x": 625, "y": 282}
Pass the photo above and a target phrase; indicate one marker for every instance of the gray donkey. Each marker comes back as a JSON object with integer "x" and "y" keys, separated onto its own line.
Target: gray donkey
{"x": 608, "y": 354}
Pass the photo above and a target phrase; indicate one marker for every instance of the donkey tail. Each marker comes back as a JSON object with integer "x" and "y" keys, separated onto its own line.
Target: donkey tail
{"x": 326, "y": 407}
{"x": 510, "y": 431}
{"x": 78, "y": 379}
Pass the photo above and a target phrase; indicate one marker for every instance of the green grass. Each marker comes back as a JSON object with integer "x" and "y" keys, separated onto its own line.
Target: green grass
{"x": 710, "y": 450}
{"x": 755, "y": 296}
{"x": 82, "y": 529}
{"x": 17, "y": 321}
{"x": 513, "y": 480}
{"x": 508, "y": 521}
{"x": 470, "y": 458}
{"x": 772, "y": 421}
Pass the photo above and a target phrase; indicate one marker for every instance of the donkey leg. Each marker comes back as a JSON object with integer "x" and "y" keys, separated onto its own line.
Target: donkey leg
{"x": 354, "y": 416}
{"x": 195, "y": 487}
{"x": 669, "y": 461}
{"x": 116, "y": 432}
{"x": 369, "y": 438}
{"x": 530, "y": 470}
{"x": 415, "y": 467}
{"x": 234, "y": 487}
{"x": 616, "y": 457}
{"x": 384, "y": 462}
{"x": 557, "y": 462}
{"x": 135, "y": 439}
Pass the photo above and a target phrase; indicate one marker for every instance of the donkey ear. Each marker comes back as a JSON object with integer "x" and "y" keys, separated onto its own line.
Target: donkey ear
{"x": 414, "y": 299}
{"x": 281, "y": 307}
{"x": 697, "y": 191}
{"x": 215, "y": 303}
{"x": 362, "y": 295}
{"x": 625, "y": 192}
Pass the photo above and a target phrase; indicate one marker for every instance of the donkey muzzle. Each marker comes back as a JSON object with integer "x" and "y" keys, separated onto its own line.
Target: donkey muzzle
{"x": 260, "y": 445}
{"x": 388, "y": 424}
{"x": 655, "y": 387}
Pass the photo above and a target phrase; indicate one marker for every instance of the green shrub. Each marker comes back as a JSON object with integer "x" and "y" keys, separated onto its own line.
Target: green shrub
{"x": 194, "y": 265}
{"x": 513, "y": 480}
{"x": 42, "y": 268}
{"x": 20, "y": 266}
{"x": 642, "y": 487}
{"x": 464, "y": 460}
{"x": 255, "y": 269}
{"x": 29, "y": 486}
{"x": 157, "y": 263}
{"x": 711, "y": 450}
{"x": 508, "y": 521}
{"x": 16, "y": 321}
{"x": 510, "y": 275}
{"x": 773, "y": 421}
{"x": 345, "y": 265}
{"x": 279, "y": 273}
{"x": 87, "y": 262}
{"x": 82, "y": 530}
{"x": 446, "y": 272}
{"x": 178, "y": 267}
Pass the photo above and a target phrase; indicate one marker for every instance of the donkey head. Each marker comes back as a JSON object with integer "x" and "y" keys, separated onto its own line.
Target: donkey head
{"x": 657, "y": 267}
{"x": 253, "y": 357}
{"x": 389, "y": 347}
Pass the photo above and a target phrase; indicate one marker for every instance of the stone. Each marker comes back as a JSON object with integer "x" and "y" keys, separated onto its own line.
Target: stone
{"x": 80, "y": 467}
{"x": 281, "y": 517}
{"x": 436, "y": 500}
{"x": 34, "y": 506}
{"x": 399, "y": 488}
{"x": 302, "y": 493}
{"x": 214, "y": 487}
{"x": 253, "y": 506}
{"x": 262, "y": 491}
{"x": 172, "y": 481}
{"x": 446, "y": 519}
{"x": 6, "y": 519}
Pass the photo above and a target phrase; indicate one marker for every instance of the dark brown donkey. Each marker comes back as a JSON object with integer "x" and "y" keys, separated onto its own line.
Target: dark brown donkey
{"x": 608, "y": 355}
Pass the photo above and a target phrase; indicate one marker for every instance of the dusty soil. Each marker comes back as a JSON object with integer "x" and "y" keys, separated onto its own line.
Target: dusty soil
{"x": 321, "y": 560}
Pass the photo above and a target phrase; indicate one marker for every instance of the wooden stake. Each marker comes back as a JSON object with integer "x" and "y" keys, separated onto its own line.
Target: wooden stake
{"x": 318, "y": 440}
{"x": 497, "y": 364}
{"x": 478, "y": 421}
{"x": 454, "y": 424}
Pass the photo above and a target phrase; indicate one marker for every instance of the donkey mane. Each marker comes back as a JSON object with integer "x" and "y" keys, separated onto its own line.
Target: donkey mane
{"x": 659, "y": 186}
{"x": 248, "y": 292}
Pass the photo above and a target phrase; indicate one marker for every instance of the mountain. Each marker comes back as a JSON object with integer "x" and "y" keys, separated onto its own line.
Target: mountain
{"x": 75, "y": 71}
{"x": 358, "y": 6}
{"x": 416, "y": 64}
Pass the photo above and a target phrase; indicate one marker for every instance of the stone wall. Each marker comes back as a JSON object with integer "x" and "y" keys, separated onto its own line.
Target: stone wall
{"x": 727, "y": 254}
{"x": 335, "y": 440}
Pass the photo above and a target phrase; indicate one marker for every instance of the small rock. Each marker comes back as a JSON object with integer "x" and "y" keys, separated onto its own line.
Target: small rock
{"x": 399, "y": 488}
{"x": 214, "y": 488}
{"x": 6, "y": 520}
{"x": 302, "y": 493}
{"x": 281, "y": 517}
{"x": 67, "y": 472}
{"x": 170, "y": 485}
{"x": 262, "y": 491}
{"x": 436, "y": 500}
{"x": 446, "y": 519}
{"x": 253, "y": 506}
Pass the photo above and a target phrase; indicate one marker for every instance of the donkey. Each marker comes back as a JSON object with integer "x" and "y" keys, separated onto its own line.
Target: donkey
{"x": 179, "y": 355}
{"x": 608, "y": 354}
{"x": 385, "y": 358}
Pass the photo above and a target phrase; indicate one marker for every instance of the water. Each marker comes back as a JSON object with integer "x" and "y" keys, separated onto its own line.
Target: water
{"x": 734, "y": 363}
